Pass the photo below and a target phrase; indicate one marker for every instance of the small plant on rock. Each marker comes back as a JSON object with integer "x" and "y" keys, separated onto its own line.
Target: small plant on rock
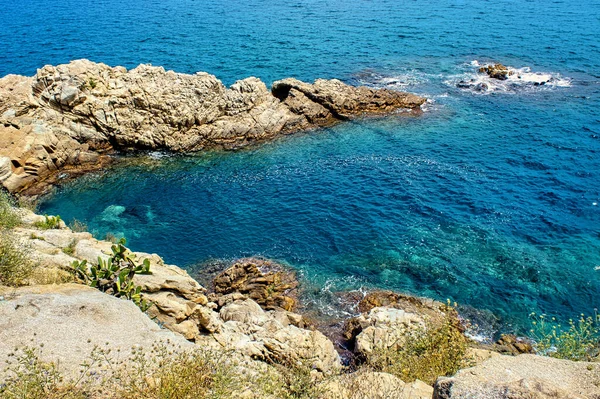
{"x": 8, "y": 216}
{"x": 15, "y": 265}
{"x": 115, "y": 275}
{"x": 580, "y": 340}
{"x": 50, "y": 222}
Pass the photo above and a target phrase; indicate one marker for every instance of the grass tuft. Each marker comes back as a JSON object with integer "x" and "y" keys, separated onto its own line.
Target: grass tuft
{"x": 9, "y": 218}
{"x": 15, "y": 265}
{"x": 49, "y": 222}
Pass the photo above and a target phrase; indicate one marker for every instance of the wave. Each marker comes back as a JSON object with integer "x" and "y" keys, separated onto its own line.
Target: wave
{"x": 516, "y": 80}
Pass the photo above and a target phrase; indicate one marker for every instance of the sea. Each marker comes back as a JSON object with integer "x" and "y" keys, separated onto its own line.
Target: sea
{"x": 490, "y": 198}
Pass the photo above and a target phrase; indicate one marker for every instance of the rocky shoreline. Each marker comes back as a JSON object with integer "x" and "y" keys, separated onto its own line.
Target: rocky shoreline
{"x": 249, "y": 316}
{"x": 69, "y": 117}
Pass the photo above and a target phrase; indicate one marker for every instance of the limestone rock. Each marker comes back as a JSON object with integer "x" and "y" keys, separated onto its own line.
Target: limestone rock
{"x": 67, "y": 118}
{"x": 523, "y": 376}
{"x": 68, "y": 320}
{"x": 264, "y": 281}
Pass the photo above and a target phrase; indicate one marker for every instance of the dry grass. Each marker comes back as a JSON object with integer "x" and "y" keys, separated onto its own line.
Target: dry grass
{"x": 9, "y": 218}
{"x": 15, "y": 265}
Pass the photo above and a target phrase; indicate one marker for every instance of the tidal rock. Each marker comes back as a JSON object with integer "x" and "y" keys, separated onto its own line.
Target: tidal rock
{"x": 496, "y": 71}
{"x": 68, "y": 117}
{"x": 523, "y": 376}
{"x": 268, "y": 283}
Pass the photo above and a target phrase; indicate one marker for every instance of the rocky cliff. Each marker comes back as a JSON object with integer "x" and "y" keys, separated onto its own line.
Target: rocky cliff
{"x": 68, "y": 117}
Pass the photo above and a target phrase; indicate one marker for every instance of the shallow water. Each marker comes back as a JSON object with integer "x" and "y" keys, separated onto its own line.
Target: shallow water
{"x": 490, "y": 198}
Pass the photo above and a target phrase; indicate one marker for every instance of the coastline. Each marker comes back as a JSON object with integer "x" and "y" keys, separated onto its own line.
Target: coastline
{"x": 72, "y": 115}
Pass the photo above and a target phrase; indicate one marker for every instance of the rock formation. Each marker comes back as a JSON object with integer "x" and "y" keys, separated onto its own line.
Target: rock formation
{"x": 496, "y": 71}
{"x": 68, "y": 117}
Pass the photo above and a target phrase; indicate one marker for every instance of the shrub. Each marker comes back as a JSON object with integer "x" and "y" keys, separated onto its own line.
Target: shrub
{"x": 50, "y": 222}
{"x": 15, "y": 265}
{"x": 9, "y": 218}
{"x": 115, "y": 275}
{"x": 580, "y": 340}
{"x": 78, "y": 226}
{"x": 70, "y": 249}
{"x": 427, "y": 353}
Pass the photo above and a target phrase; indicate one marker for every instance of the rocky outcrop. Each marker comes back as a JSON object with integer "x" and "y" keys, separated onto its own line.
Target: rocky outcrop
{"x": 496, "y": 71}
{"x": 67, "y": 117}
{"x": 269, "y": 284}
{"x": 523, "y": 376}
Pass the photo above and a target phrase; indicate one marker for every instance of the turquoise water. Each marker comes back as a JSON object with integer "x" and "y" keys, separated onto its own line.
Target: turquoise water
{"x": 490, "y": 198}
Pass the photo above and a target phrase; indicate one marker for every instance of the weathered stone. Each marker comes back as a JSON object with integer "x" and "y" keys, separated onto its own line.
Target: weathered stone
{"x": 373, "y": 385}
{"x": 523, "y": 376}
{"x": 266, "y": 282}
{"x": 68, "y": 117}
{"x": 68, "y": 320}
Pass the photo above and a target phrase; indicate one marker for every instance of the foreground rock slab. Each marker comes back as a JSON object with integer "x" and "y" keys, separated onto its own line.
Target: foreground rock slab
{"x": 66, "y": 117}
{"x": 523, "y": 376}
{"x": 66, "y": 321}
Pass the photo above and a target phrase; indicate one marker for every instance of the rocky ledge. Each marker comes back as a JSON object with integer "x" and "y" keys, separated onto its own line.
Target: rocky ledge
{"x": 68, "y": 117}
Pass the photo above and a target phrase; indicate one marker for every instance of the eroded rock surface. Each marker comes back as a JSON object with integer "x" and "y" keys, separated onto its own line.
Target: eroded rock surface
{"x": 523, "y": 376}
{"x": 67, "y": 116}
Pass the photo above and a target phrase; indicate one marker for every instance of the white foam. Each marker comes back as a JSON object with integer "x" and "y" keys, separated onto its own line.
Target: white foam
{"x": 518, "y": 79}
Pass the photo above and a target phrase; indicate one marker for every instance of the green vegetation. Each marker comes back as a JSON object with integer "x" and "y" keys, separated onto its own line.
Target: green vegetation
{"x": 50, "y": 222}
{"x": 9, "y": 218}
{"x": 115, "y": 275}
{"x": 161, "y": 373}
{"x": 427, "y": 353}
{"x": 15, "y": 265}
{"x": 579, "y": 341}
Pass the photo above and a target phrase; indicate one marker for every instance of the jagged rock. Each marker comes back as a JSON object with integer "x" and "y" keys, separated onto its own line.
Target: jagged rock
{"x": 523, "y": 376}
{"x": 66, "y": 321}
{"x": 243, "y": 326}
{"x": 266, "y": 282}
{"x": 66, "y": 118}
{"x": 496, "y": 71}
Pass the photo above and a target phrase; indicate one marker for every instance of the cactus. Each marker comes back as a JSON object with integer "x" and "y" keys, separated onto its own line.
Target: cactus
{"x": 114, "y": 276}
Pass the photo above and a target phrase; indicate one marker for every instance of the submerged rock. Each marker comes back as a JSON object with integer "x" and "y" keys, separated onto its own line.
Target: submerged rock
{"x": 67, "y": 117}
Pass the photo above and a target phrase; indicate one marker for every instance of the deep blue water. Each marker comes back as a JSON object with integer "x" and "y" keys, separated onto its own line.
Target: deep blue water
{"x": 489, "y": 199}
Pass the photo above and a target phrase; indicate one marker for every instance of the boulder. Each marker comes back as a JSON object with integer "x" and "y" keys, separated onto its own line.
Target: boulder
{"x": 268, "y": 283}
{"x": 523, "y": 376}
{"x": 496, "y": 71}
{"x": 68, "y": 118}
{"x": 274, "y": 336}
